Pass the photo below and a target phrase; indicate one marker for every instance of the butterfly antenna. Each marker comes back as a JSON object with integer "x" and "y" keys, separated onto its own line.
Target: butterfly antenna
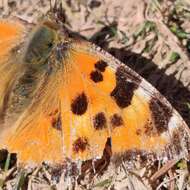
{"x": 57, "y": 10}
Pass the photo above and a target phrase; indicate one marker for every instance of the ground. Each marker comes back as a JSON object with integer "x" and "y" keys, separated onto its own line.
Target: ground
{"x": 150, "y": 36}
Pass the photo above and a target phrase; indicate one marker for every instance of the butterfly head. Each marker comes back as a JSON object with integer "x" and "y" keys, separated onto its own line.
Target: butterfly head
{"x": 51, "y": 38}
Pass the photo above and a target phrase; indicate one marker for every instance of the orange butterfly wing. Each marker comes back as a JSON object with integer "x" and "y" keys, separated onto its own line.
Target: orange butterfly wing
{"x": 21, "y": 129}
{"x": 137, "y": 117}
{"x": 35, "y": 135}
{"x": 10, "y": 35}
{"x": 85, "y": 98}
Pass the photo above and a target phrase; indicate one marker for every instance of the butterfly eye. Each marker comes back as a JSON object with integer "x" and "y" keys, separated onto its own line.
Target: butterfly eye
{"x": 50, "y": 45}
{"x": 40, "y": 46}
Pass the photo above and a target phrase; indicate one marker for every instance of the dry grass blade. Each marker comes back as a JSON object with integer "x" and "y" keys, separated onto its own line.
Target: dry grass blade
{"x": 172, "y": 182}
{"x": 7, "y": 163}
{"x": 6, "y": 171}
{"x": 164, "y": 169}
{"x": 20, "y": 181}
{"x": 182, "y": 181}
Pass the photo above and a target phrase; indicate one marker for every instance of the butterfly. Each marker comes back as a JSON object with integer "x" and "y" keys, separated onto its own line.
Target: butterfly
{"x": 63, "y": 98}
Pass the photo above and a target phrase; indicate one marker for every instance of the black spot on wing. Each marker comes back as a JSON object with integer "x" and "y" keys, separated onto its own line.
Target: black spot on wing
{"x": 101, "y": 65}
{"x": 124, "y": 89}
{"x": 139, "y": 132}
{"x": 131, "y": 155}
{"x": 97, "y": 166}
{"x": 96, "y": 76}
{"x": 150, "y": 129}
{"x": 79, "y": 104}
{"x": 56, "y": 123}
{"x": 179, "y": 143}
{"x": 123, "y": 93}
{"x": 123, "y": 73}
{"x": 99, "y": 121}
{"x": 80, "y": 144}
{"x": 176, "y": 142}
{"x": 161, "y": 114}
{"x": 116, "y": 120}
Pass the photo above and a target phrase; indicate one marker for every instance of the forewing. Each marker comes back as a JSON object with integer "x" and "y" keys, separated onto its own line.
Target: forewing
{"x": 138, "y": 117}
